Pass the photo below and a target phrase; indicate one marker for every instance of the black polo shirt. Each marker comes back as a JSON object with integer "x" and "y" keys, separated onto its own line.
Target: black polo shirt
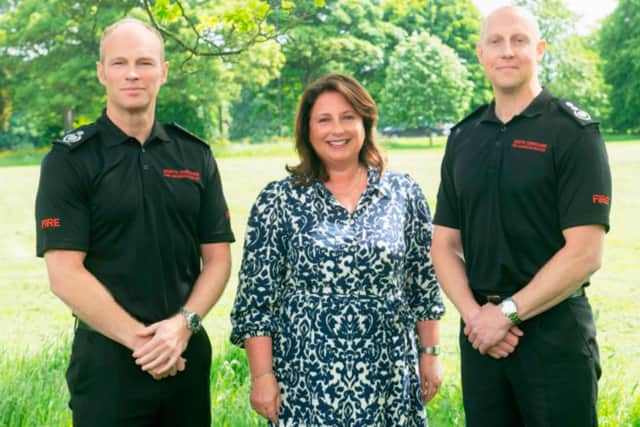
{"x": 140, "y": 212}
{"x": 512, "y": 188}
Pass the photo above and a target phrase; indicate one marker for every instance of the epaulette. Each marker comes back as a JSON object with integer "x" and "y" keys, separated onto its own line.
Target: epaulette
{"x": 575, "y": 112}
{"x": 76, "y": 137}
{"x": 184, "y": 132}
{"x": 481, "y": 109}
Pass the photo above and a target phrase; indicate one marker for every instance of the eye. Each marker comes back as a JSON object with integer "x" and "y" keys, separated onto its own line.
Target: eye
{"x": 349, "y": 117}
{"x": 323, "y": 120}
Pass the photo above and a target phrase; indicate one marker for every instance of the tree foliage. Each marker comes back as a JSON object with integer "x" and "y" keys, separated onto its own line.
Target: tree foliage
{"x": 455, "y": 23}
{"x": 238, "y": 67}
{"x": 426, "y": 83}
{"x": 52, "y": 47}
{"x": 620, "y": 49}
{"x": 571, "y": 66}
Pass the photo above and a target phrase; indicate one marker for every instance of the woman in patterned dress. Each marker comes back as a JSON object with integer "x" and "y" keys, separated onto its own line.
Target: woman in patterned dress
{"x": 337, "y": 291}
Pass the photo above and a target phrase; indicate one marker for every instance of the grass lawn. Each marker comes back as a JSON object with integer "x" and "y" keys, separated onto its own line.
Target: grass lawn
{"x": 30, "y": 317}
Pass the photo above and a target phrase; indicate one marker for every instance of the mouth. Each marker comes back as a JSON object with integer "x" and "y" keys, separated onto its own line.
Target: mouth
{"x": 338, "y": 142}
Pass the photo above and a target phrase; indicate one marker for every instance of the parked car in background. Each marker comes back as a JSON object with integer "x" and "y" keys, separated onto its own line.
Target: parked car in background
{"x": 428, "y": 130}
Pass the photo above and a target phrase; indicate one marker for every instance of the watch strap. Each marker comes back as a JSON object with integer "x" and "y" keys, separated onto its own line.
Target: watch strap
{"x": 512, "y": 314}
{"x": 431, "y": 349}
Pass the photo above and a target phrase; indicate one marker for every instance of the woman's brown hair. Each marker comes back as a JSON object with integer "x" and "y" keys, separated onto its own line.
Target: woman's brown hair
{"x": 311, "y": 167}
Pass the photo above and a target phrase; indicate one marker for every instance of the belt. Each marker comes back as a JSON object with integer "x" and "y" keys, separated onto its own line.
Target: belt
{"x": 484, "y": 298}
{"x": 81, "y": 325}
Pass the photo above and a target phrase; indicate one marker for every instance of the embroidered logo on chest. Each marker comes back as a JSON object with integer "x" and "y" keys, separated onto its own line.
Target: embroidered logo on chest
{"x": 181, "y": 174}
{"x": 529, "y": 145}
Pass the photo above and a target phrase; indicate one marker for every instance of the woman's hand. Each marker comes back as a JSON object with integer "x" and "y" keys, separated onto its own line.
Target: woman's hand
{"x": 265, "y": 396}
{"x": 430, "y": 376}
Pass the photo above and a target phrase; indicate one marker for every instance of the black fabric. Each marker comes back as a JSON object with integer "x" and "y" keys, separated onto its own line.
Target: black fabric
{"x": 550, "y": 380}
{"x": 140, "y": 212}
{"x": 109, "y": 390}
{"x": 511, "y": 189}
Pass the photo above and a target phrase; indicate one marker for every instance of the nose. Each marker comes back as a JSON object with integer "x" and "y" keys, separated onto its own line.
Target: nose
{"x": 337, "y": 128}
{"x": 507, "y": 51}
{"x": 132, "y": 73}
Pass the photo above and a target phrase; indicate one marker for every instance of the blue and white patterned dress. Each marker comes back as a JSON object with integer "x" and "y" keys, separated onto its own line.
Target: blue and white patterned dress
{"x": 340, "y": 294}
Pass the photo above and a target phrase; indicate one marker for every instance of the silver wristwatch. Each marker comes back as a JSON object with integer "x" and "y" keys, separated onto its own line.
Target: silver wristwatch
{"x": 509, "y": 308}
{"x": 193, "y": 320}
{"x": 432, "y": 349}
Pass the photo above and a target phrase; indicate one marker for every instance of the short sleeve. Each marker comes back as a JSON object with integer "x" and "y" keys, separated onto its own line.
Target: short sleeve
{"x": 262, "y": 268}
{"x": 447, "y": 208}
{"x": 214, "y": 221}
{"x": 421, "y": 287}
{"x": 62, "y": 205}
{"x": 584, "y": 181}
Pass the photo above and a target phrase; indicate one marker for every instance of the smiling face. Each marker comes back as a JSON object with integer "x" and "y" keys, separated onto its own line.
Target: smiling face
{"x": 336, "y": 130}
{"x": 132, "y": 68}
{"x": 509, "y": 49}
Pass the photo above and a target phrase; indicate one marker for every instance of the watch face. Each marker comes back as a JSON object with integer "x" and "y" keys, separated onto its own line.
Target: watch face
{"x": 508, "y": 307}
{"x": 194, "y": 322}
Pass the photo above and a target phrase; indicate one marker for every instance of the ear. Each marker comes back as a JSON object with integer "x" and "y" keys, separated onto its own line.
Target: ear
{"x": 165, "y": 71}
{"x": 540, "y": 47}
{"x": 479, "y": 52}
{"x": 100, "y": 72}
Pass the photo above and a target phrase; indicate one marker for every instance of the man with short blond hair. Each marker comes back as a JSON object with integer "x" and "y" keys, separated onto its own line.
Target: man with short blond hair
{"x": 134, "y": 229}
{"x": 522, "y": 211}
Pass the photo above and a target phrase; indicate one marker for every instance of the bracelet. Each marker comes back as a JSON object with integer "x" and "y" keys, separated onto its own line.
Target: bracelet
{"x": 432, "y": 349}
{"x": 261, "y": 374}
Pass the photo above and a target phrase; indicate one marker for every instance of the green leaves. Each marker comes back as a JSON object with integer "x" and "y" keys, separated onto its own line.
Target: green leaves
{"x": 426, "y": 84}
{"x": 619, "y": 47}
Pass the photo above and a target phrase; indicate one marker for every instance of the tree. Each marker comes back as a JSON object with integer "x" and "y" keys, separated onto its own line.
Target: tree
{"x": 426, "y": 84}
{"x": 5, "y": 101}
{"x": 341, "y": 36}
{"x": 620, "y": 49}
{"x": 571, "y": 66}
{"x": 456, "y": 23}
{"x": 213, "y": 46}
{"x": 580, "y": 77}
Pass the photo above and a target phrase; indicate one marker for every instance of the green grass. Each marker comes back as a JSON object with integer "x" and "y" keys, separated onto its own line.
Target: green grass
{"x": 35, "y": 325}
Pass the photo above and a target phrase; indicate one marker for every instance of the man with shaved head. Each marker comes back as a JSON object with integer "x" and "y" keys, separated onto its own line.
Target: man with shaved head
{"x": 522, "y": 211}
{"x": 134, "y": 229}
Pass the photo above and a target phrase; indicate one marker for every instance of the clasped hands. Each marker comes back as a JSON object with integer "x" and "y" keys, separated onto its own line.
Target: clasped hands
{"x": 159, "y": 346}
{"x": 490, "y": 332}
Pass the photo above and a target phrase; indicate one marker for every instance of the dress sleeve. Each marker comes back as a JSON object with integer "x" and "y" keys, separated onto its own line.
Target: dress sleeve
{"x": 214, "y": 221}
{"x": 262, "y": 269}
{"x": 421, "y": 287}
{"x": 62, "y": 207}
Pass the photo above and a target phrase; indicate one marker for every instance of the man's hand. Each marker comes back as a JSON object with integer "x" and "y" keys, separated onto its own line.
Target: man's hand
{"x": 507, "y": 346}
{"x": 487, "y": 328}
{"x": 168, "y": 339}
{"x": 180, "y": 366}
{"x": 430, "y": 376}
{"x": 265, "y": 397}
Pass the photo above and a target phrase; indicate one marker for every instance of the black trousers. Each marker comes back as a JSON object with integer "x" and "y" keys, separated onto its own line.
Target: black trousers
{"x": 550, "y": 380}
{"x": 108, "y": 389}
